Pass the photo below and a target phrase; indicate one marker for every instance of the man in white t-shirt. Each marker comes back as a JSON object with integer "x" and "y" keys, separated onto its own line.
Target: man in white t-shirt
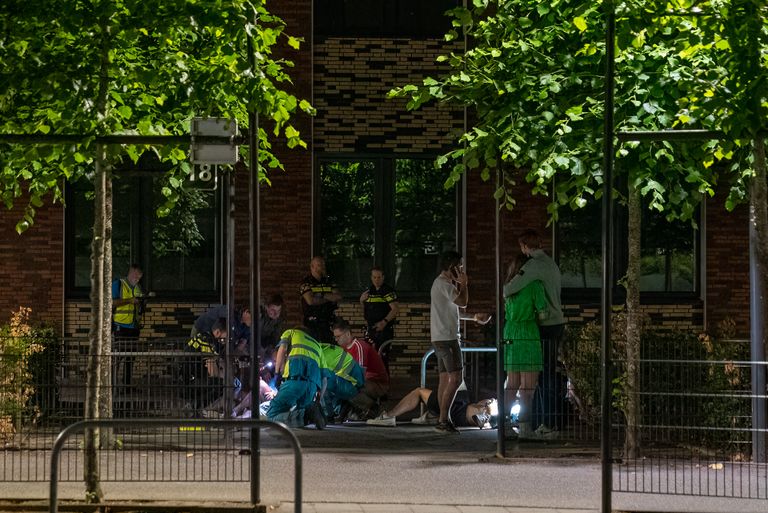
{"x": 449, "y": 293}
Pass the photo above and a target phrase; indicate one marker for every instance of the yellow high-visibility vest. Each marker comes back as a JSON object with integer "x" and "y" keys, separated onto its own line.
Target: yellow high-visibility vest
{"x": 127, "y": 314}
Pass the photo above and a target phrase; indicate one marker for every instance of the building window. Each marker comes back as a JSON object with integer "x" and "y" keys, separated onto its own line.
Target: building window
{"x": 392, "y": 18}
{"x": 385, "y": 211}
{"x": 180, "y": 253}
{"x": 668, "y": 250}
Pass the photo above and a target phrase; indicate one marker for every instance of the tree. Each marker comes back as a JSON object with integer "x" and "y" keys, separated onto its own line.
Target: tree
{"x": 104, "y": 67}
{"x": 534, "y": 77}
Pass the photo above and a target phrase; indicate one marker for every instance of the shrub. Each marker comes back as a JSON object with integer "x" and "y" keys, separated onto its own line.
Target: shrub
{"x": 24, "y": 363}
{"x": 686, "y": 388}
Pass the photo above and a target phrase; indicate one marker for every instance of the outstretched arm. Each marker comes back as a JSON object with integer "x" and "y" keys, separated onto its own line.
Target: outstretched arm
{"x": 519, "y": 281}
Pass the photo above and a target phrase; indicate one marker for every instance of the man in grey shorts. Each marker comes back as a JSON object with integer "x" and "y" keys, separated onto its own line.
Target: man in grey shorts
{"x": 449, "y": 293}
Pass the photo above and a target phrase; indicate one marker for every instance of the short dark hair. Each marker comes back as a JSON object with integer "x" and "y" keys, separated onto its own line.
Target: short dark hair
{"x": 275, "y": 299}
{"x": 377, "y": 268}
{"x": 219, "y": 325}
{"x": 530, "y": 238}
{"x": 449, "y": 259}
{"x": 341, "y": 324}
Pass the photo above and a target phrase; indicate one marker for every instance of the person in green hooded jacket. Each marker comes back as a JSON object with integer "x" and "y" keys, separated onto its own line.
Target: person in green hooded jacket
{"x": 522, "y": 345}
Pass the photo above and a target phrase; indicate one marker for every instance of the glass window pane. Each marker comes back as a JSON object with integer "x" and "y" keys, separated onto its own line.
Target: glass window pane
{"x": 124, "y": 247}
{"x": 668, "y": 260}
{"x": 182, "y": 248}
{"x": 80, "y": 208}
{"x": 580, "y": 246}
{"x": 347, "y": 221}
{"x": 183, "y": 245}
{"x": 425, "y": 223}
{"x": 422, "y": 18}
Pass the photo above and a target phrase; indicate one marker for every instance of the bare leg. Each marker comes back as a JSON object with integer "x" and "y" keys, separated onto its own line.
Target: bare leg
{"x": 243, "y": 405}
{"x": 510, "y": 391}
{"x": 409, "y": 402}
{"x": 449, "y": 382}
{"x": 528, "y": 382}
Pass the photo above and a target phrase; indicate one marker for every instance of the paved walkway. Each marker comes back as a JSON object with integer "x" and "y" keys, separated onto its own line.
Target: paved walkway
{"x": 410, "y": 469}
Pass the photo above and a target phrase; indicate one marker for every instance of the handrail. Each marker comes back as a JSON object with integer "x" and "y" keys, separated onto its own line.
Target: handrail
{"x": 82, "y": 425}
{"x": 430, "y": 352}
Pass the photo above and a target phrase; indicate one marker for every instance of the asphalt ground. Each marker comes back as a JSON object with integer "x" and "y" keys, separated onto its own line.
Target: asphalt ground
{"x": 359, "y": 468}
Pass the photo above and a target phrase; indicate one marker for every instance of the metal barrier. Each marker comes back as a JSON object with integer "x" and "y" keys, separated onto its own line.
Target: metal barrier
{"x": 58, "y": 445}
{"x": 423, "y": 381}
{"x": 430, "y": 352}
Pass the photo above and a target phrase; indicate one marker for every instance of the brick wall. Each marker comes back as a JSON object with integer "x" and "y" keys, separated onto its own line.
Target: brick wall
{"x": 727, "y": 282}
{"x": 352, "y": 78}
{"x": 31, "y": 264}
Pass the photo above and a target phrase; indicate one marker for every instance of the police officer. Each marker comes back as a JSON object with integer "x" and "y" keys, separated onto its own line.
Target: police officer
{"x": 319, "y": 301}
{"x": 380, "y": 309}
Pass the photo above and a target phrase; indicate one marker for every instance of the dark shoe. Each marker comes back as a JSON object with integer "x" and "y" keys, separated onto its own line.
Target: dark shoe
{"x": 316, "y": 416}
{"x": 481, "y": 419}
{"x": 446, "y": 427}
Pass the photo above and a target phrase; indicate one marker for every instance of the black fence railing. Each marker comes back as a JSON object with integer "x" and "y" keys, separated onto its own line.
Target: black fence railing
{"x": 136, "y": 466}
{"x": 694, "y": 424}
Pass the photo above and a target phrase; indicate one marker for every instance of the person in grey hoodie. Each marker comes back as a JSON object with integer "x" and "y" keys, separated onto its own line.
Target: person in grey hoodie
{"x": 551, "y": 323}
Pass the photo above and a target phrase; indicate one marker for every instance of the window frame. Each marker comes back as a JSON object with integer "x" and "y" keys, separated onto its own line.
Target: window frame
{"x": 141, "y": 236}
{"x": 620, "y": 260}
{"x": 384, "y": 238}
{"x": 390, "y": 26}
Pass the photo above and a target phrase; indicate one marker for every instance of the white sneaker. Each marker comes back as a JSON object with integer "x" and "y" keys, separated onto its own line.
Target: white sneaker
{"x": 427, "y": 418}
{"x": 382, "y": 420}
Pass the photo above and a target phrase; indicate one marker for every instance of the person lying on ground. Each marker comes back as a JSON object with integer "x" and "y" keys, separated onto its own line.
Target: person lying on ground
{"x": 462, "y": 413}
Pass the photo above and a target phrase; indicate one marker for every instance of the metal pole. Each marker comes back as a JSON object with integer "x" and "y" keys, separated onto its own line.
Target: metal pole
{"x": 254, "y": 264}
{"x": 757, "y": 349}
{"x": 228, "y": 434}
{"x": 607, "y": 227}
{"x": 501, "y": 449}
{"x": 122, "y": 139}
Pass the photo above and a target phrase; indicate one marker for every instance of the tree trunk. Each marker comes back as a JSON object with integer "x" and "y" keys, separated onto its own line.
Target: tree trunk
{"x": 101, "y": 296}
{"x": 93, "y": 491}
{"x": 634, "y": 322}
{"x": 107, "y": 389}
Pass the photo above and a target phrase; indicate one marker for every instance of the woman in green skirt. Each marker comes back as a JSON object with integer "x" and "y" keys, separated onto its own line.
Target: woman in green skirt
{"x": 522, "y": 345}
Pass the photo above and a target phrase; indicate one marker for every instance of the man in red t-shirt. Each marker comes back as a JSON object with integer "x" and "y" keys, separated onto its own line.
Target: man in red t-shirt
{"x": 365, "y": 354}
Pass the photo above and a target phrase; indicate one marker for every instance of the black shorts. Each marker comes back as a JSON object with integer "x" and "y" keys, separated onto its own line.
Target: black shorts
{"x": 458, "y": 408}
{"x": 448, "y": 354}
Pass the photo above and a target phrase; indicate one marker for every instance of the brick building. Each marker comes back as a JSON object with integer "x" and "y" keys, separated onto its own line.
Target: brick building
{"x": 364, "y": 192}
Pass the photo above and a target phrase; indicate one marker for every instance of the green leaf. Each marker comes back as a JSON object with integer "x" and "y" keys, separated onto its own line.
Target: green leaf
{"x": 294, "y": 42}
{"x": 125, "y": 111}
{"x": 580, "y": 23}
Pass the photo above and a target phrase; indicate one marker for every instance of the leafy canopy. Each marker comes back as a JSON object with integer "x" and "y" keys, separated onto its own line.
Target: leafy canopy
{"x": 534, "y": 76}
{"x": 132, "y": 67}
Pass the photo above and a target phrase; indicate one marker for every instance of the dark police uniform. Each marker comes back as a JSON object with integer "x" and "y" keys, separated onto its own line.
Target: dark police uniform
{"x": 318, "y": 318}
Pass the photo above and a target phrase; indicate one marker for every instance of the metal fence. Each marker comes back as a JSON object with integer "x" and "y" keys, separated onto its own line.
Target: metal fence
{"x": 694, "y": 425}
{"x": 694, "y": 428}
{"x": 144, "y": 469}
{"x": 147, "y": 379}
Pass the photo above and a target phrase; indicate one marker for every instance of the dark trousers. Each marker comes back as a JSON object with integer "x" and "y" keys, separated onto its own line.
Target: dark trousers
{"x": 552, "y": 389}
{"x": 124, "y": 340}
